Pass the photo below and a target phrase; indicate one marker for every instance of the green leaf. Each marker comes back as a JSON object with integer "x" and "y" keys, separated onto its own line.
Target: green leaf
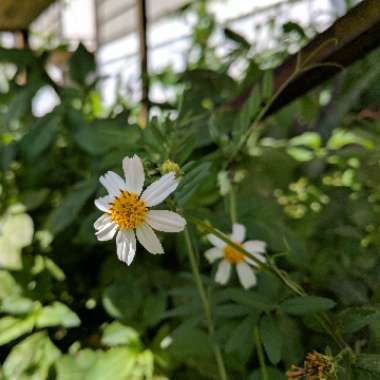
{"x": 54, "y": 269}
{"x": 10, "y": 257}
{"x": 307, "y": 305}
{"x": 18, "y": 230}
{"x": 293, "y": 27}
{"x": 190, "y": 341}
{"x": 31, "y": 358}
{"x": 33, "y": 199}
{"x": 66, "y": 213}
{"x": 249, "y": 110}
{"x": 41, "y": 135}
{"x": 241, "y": 339}
{"x": 57, "y": 314}
{"x": 369, "y": 362}
{"x": 17, "y": 305}
{"x": 253, "y": 300}
{"x": 81, "y": 65}
{"x": 8, "y": 285}
{"x": 273, "y": 374}
{"x": 12, "y": 328}
{"x": 341, "y": 138}
{"x": 104, "y": 135}
{"x": 355, "y": 318}
{"x": 237, "y": 38}
{"x": 300, "y": 154}
{"x": 116, "y": 334}
{"x": 75, "y": 367}
{"x": 154, "y": 307}
{"x": 194, "y": 176}
{"x": 117, "y": 364}
{"x": 292, "y": 336}
{"x": 271, "y": 337}
{"x": 20, "y": 57}
{"x": 311, "y": 140}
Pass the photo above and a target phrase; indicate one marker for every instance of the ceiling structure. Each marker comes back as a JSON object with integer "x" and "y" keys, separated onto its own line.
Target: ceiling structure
{"x": 18, "y": 15}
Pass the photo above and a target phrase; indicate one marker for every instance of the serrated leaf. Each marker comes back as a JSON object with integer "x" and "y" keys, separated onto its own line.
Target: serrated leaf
{"x": 307, "y": 305}
{"x": 271, "y": 337}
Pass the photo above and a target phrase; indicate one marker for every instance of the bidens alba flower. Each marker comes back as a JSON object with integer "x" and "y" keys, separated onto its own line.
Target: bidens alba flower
{"x": 127, "y": 210}
{"x": 230, "y": 256}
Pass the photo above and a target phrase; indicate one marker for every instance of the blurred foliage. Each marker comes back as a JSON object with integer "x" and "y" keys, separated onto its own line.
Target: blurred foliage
{"x": 307, "y": 182}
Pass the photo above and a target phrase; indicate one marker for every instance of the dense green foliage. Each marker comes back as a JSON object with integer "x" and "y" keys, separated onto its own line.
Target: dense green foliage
{"x": 306, "y": 181}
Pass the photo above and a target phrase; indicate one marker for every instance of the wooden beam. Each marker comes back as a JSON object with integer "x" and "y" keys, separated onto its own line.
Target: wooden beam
{"x": 18, "y": 15}
{"x": 143, "y": 53}
{"x": 350, "y": 38}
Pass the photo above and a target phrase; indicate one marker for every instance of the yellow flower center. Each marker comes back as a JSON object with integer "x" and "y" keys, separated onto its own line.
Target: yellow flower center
{"x": 128, "y": 210}
{"x": 232, "y": 255}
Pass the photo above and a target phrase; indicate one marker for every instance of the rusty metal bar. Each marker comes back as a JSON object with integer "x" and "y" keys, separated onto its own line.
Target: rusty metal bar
{"x": 350, "y": 38}
{"x": 143, "y": 53}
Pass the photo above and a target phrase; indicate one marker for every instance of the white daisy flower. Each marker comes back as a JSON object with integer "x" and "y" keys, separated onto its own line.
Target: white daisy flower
{"x": 230, "y": 256}
{"x": 127, "y": 211}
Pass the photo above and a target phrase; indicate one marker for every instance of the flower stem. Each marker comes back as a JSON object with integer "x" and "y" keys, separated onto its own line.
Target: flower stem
{"x": 205, "y": 303}
{"x": 260, "y": 355}
{"x": 232, "y": 204}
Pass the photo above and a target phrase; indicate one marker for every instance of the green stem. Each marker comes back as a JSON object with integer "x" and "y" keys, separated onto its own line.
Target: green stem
{"x": 233, "y": 209}
{"x": 260, "y": 355}
{"x": 205, "y": 303}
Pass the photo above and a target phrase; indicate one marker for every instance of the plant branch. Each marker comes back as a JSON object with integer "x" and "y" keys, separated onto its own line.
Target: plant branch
{"x": 205, "y": 303}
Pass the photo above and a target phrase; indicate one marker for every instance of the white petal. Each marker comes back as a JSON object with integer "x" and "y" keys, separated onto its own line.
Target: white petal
{"x": 149, "y": 239}
{"x": 102, "y": 221}
{"x": 113, "y": 183}
{"x": 106, "y": 233}
{"x": 246, "y": 275}
{"x": 238, "y": 233}
{"x": 126, "y": 246}
{"x": 134, "y": 174}
{"x": 255, "y": 246}
{"x": 165, "y": 221}
{"x": 223, "y": 272}
{"x": 215, "y": 241}
{"x": 213, "y": 254}
{"x": 160, "y": 189}
{"x": 104, "y": 203}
